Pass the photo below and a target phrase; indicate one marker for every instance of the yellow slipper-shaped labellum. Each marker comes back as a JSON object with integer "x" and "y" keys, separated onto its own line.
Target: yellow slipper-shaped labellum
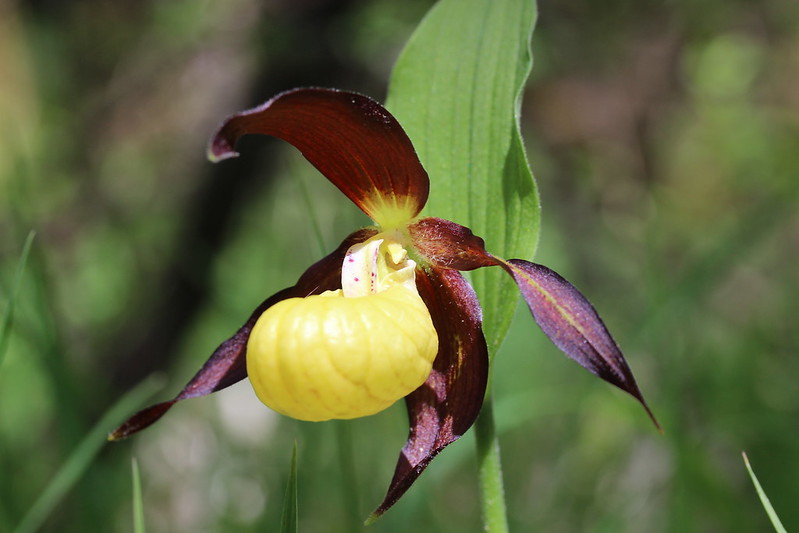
{"x": 340, "y": 356}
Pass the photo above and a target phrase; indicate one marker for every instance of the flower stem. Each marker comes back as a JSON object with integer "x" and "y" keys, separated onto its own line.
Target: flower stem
{"x": 349, "y": 476}
{"x": 492, "y": 492}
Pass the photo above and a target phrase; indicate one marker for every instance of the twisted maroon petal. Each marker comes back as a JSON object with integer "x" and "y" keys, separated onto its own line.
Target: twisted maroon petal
{"x": 442, "y": 409}
{"x": 227, "y": 365}
{"x": 358, "y": 145}
{"x": 572, "y": 323}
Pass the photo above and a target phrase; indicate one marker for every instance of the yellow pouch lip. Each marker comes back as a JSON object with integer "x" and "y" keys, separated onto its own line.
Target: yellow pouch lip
{"x": 329, "y": 356}
{"x": 351, "y": 352}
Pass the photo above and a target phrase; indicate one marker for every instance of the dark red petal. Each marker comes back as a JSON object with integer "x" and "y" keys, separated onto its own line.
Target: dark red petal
{"x": 358, "y": 145}
{"x": 227, "y": 365}
{"x": 442, "y": 409}
{"x": 572, "y": 323}
{"x": 449, "y": 245}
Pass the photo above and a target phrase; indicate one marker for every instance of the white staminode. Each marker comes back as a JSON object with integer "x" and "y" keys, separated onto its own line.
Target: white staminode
{"x": 376, "y": 265}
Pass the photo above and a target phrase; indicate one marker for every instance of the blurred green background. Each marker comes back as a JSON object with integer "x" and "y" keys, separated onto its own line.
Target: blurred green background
{"x": 664, "y": 137}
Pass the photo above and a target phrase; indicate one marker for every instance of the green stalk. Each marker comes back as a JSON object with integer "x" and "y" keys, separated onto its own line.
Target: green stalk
{"x": 289, "y": 520}
{"x": 315, "y": 224}
{"x": 349, "y": 475}
{"x": 492, "y": 491}
{"x": 138, "y": 505}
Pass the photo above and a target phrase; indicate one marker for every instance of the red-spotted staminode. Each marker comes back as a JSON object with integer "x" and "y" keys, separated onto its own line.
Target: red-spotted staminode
{"x": 387, "y": 315}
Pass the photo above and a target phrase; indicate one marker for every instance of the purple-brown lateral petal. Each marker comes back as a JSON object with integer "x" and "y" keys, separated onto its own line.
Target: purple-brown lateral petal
{"x": 572, "y": 323}
{"x": 449, "y": 245}
{"x": 442, "y": 409}
{"x": 358, "y": 145}
{"x": 227, "y": 365}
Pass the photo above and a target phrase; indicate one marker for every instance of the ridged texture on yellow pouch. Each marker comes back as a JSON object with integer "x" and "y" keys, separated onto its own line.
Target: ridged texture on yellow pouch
{"x": 329, "y": 356}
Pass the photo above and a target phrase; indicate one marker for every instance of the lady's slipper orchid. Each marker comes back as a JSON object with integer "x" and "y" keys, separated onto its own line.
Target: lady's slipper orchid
{"x": 387, "y": 315}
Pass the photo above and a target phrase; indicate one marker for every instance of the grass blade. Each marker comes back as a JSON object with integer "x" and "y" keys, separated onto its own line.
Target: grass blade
{"x": 288, "y": 522}
{"x": 8, "y": 317}
{"x": 775, "y": 520}
{"x": 138, "y": 506}
{"x": 80, "y": 459}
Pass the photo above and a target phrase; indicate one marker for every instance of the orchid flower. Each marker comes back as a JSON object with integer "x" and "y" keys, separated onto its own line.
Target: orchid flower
{"x": 387, "y": 315}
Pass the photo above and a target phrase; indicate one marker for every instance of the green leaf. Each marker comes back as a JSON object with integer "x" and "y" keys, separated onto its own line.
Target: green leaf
{"x": 456, "y": 89}
{"x": 138, "y": 506}
{"x": 775, "y": 520}
{"x": 8, "y": 317}
{"x": 80, "y": 459}
{"x": 288, "y": 522}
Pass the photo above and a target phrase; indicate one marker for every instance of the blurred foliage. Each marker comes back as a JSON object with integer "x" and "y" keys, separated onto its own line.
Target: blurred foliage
{"x": 664, "y": 138}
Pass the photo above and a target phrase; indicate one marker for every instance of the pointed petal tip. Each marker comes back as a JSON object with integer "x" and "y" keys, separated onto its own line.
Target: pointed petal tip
{"x": 120, "y": 433}
{"x": 633, "y": 390}
{"x": 219, "y": 150}
{"x": 372, "y": 518}
{"x": 141, "y": 420}
{"x": 652, "y": 417}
